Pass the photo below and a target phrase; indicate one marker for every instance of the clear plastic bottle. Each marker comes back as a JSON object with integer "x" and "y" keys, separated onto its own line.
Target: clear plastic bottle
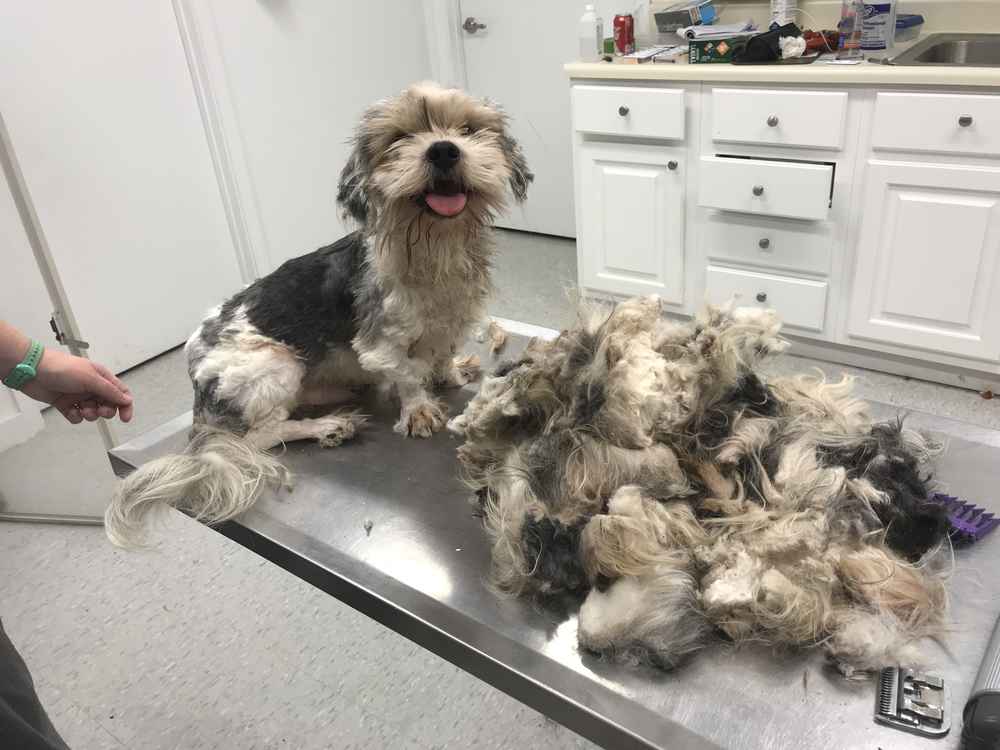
{"x": 782, "y": 12}
{"x": 852, "y": 15}
{"x": 591, "y": 34}
{"x": 879, "y": 27}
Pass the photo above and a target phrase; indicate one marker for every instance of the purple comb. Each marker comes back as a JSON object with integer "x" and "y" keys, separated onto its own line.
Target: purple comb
{"x": 969, "y": 523}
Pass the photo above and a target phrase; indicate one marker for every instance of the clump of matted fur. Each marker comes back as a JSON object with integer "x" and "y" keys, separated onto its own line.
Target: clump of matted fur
{"x": 647, "y": 465}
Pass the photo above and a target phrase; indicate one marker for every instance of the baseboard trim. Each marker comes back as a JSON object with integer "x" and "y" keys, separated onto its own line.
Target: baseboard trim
{"x": 881, "y": 362}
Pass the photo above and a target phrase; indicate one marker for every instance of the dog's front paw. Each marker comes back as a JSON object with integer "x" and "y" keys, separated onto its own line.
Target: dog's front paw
{"x": 335, "y": 429}
{"x": 421, "y": 420}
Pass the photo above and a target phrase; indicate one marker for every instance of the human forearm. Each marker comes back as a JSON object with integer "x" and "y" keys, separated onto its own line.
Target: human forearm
{"x": 78, "y": 388}
{"x": 13, "y": 346}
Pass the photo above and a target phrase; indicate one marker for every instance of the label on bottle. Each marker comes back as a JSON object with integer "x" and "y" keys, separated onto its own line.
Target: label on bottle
{"x": 878, "y": 27}
{"x": 782, "y": 12}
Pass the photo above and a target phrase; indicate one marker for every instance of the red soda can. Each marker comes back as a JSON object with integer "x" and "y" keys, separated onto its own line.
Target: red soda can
{"x": 624, "y": 32}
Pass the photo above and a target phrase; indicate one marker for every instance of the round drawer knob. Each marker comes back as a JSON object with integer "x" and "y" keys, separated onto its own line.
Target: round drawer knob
{"x": 758, "y": 190}
{"x": 773, "y": 121}
{"x": 623, "y": 110}
{"x": 965, "y": 120}
{"x": 762, "y": 296}
{"x": 671, "y": 165}
{"x": 764, "y": 243}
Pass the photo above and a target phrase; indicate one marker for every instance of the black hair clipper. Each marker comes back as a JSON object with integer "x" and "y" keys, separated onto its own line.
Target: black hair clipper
{"x": 981, "y": 716}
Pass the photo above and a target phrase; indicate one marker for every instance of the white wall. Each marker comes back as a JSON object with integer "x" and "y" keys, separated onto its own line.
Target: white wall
{"x": 296, "y": 77}
{"x": 103, "y": 117}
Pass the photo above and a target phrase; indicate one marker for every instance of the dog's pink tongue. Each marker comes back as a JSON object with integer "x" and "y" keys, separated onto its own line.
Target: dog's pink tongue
{"x": 446, "y": 205}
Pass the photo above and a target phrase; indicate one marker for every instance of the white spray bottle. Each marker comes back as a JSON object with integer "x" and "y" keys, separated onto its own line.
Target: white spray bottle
{"x": 591, "y": 34}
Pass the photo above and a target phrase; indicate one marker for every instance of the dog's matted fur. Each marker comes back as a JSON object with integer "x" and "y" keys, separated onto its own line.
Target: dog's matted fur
{"x": 387, "y": 304}
{"x": 650, "y": 467}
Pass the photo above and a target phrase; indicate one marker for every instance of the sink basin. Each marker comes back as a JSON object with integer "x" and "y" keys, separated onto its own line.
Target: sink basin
{"x": 966, "y": 50}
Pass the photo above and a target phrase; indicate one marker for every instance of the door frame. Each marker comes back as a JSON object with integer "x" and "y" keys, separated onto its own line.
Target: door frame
{"x": 442, "y": 27}
{"x": 196, "y": 27}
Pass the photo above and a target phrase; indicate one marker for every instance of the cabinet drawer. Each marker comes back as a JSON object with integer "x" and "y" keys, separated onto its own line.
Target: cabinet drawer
{"x": 795, "y": 190}
{"x": 942, "y": 123}
{"x": 799, "y": 302}
{"x": 771, "y": 243}
{"x": 631, "y": 111}
{"x": 812, "y": 119}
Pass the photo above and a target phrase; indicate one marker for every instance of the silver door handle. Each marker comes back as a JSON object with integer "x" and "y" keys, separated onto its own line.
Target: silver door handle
{"x": 471, "y": 25}
{"x": 758, "y": 190}
{"x": 773, "y": 121}
{"x": 671, "y": 165}
{"x": 965, "y": 120}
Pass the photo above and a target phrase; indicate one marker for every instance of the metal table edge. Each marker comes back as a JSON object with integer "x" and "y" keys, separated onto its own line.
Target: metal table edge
{"x": 467, "y": 645}
{"x": 369, "y": 591}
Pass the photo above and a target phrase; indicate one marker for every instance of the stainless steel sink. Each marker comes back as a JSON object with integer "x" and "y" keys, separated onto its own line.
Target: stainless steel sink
{"x": 966, "y": 50}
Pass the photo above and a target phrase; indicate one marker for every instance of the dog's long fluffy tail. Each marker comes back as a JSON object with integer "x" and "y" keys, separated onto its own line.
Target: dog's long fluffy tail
{"x": 218, "y": 476}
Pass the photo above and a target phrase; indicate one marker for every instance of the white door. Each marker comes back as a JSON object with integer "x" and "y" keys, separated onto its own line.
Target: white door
{"x": 103, "y": 117}
{"x": 288, "y": 82}
{"x": 632, "y": 218}
{"x": 926, "y": 272}
{"x": 24, "y": 303}
{"x": 48, "y": 467}
{"x": 518, "y": 61}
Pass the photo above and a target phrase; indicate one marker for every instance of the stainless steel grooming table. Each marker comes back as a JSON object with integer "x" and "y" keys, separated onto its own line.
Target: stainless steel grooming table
{"x": 420, "y": 571}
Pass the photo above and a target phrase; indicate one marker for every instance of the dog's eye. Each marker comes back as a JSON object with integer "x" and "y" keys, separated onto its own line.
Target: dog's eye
{"x": 467, "y": 130}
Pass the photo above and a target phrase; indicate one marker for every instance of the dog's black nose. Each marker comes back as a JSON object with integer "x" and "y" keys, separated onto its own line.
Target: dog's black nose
{"x": 443, "y": 155}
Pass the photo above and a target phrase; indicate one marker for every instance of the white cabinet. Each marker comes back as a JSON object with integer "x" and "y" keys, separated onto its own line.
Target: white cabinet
{"x": 631, "y": 203}
{"x": 868, "y": 219}
{"x": 926, "y": 274}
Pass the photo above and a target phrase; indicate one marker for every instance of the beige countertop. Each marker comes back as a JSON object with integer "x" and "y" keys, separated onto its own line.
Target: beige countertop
{"x": 863, "y": 74}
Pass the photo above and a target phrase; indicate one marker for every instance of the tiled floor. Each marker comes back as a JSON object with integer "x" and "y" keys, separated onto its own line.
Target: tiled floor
{"x": 201, "y": 644}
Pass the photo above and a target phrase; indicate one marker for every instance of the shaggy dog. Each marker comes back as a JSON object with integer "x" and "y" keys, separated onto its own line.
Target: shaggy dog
{"x": 647, "y": 466}
{"x": 388, "y": 304}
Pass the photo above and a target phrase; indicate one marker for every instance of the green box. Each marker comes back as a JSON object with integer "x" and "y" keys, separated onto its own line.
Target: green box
{"x": 714, "y": 50}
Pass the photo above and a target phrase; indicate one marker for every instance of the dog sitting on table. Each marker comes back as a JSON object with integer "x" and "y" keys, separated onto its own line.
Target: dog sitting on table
{"x": 388, "y": 304}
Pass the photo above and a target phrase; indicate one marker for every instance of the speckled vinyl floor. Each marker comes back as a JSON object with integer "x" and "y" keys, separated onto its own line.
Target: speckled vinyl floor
{"x": 201, "y": 644}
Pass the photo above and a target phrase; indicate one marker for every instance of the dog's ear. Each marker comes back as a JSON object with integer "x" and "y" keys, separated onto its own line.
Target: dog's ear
{"x": 520, "y": 175}
{"x": 352, "y": 191}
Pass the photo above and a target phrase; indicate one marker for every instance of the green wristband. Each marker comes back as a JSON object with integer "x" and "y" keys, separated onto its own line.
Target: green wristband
{"x": 27, "y": 369}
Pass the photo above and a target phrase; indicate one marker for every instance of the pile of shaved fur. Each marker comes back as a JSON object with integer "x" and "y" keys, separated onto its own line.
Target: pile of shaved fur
{"x": 647, "y": 466}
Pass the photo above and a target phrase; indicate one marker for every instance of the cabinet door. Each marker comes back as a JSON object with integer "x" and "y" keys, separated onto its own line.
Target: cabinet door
{"x": 632, "y": 219}
{"x": 927, "y": 273}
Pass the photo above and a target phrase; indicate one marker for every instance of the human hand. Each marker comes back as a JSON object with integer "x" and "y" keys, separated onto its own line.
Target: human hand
{"x": 79, "y": 388}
